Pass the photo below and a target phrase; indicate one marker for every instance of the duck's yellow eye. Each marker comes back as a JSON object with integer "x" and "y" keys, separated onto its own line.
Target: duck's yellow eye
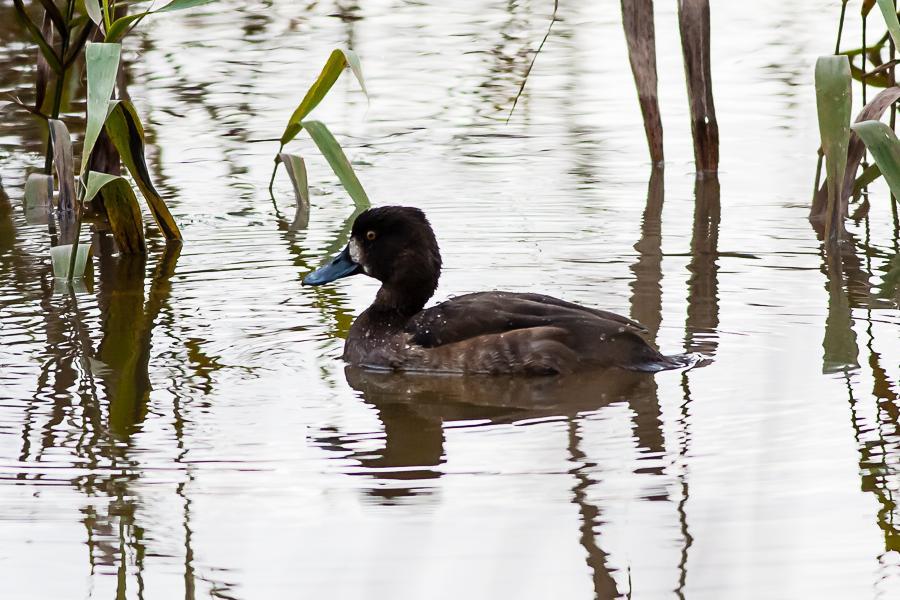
{"x": 371, "y": 235}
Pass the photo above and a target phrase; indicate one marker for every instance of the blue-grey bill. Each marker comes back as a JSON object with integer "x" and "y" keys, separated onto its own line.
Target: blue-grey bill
{"x": 340, "y": 266}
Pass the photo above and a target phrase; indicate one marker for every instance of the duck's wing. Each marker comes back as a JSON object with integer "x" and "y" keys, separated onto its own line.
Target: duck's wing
{"x": 482, "y": 313}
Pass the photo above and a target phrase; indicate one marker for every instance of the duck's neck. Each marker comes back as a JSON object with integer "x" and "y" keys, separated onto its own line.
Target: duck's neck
{"x": 402, "y": 302}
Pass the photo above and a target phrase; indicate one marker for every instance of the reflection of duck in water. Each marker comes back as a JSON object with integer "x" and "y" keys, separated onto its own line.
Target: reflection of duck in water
{"x": 415, "y": 408}
{"x": 485, "y": 332}
{"x": 442, "y": 398}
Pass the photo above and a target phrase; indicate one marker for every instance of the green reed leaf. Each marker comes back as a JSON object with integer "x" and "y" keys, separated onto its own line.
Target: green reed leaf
{"x": 51, "y": 11}
{"x": 38, "y": 191}
{"x": 102, "y": 67}
{"x": 833, "y": 102}
{"x": 38, "y": 198}
{"x": 93, "y": 10}
{"x": 869, "y": 174}
{"x": 61, "y": 143}
{"x": 42, "y": 77}
{"x": 95, "y": 183}
{"x": 122, "y": 210}
{"x": 336, "y": 63}
{"x": 37, "y": 37}
{"x": 60, "y": 258}
{"x": 121, "y": 26}
{"x": 866, "y": 7}
{"x": 127, "y": 134}
{"x": 889, "y": 12}
{"x": 183, "y": 4}
{"x": 84, "y": 28}
{"x": 885, "y": 149}
{"x": 296, "y": 170}
{"x": 334, "y": 154}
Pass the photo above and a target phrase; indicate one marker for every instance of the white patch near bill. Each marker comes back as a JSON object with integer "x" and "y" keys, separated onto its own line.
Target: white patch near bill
{"x": 356, "y": 254}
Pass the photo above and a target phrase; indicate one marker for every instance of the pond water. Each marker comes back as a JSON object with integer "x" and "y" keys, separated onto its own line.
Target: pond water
{"x": 184, "y": 426}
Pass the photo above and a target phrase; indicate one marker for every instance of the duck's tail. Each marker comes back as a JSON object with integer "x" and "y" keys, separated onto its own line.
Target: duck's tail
{"x": 660, "y": 362}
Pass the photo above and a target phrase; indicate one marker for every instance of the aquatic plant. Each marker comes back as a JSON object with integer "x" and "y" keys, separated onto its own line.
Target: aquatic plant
{"x": 885, "y": 148}
{"x": 320, "y": 134}
{"x": 637, "y": 20}
{"x": 694, "y": 26}
{"x": 843, "y": 145}
{"x": 113, "y": 126}
{"x": 533, "y": 59}
{"x": 119, "y": 120}
{"x": 833, "y": 100}
{"x": 693, "y": 21}
{"x": 878, "y": 138}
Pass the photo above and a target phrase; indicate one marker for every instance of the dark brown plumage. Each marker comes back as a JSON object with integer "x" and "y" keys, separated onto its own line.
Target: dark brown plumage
{"x": 485, "y": 332}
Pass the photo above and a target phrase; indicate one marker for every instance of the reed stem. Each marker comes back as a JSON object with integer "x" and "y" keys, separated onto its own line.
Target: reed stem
{"x": 60, "y": 82}
{"x": 74, "y": 255}
{"x": 893, "y": 82}
{"x": 892, "y": 74}
{"x": 837, "y": 44}
{"x": 863, "y": 79}
{"x": 272, "y": 179}
{"x": 274, "y": 171}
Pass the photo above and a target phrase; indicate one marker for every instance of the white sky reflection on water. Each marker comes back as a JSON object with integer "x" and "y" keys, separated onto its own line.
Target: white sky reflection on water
{"x": 255, "y": 469}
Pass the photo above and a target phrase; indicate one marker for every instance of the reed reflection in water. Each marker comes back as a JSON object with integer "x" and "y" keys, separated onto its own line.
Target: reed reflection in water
{"x": 184, "y": 426}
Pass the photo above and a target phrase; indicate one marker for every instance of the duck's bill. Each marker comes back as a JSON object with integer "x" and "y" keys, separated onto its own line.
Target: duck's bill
{"x": 340, "y": 266}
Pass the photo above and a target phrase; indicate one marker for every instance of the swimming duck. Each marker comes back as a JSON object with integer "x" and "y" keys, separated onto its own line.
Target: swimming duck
{"x": 484, "y": 332}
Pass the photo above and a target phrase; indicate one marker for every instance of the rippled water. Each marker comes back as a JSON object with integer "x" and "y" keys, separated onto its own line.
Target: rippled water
{"x": 185, "y": 427}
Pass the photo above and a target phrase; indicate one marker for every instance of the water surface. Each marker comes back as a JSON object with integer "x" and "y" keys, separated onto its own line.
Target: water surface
{"x": 185, "y": 427}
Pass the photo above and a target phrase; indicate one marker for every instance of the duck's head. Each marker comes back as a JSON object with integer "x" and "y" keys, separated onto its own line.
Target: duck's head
{"x": 396, "y": 246}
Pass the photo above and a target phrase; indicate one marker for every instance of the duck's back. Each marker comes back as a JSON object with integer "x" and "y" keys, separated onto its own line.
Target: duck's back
{"x": 503, "y": 332}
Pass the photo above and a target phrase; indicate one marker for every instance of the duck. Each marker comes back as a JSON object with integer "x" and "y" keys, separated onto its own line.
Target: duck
{"x": 490, "y": 332}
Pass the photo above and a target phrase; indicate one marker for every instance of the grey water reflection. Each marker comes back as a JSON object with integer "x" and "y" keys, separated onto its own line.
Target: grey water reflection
{"x": 840, "y": 347}
{"x": 114, "y": 402}
{"x": 848, "y": 275}
{"x": 415, "y": 409}
{"x": 127, "y": 322}
{"x": 107, "y": 387}
{"x": 701, "y": 331}
{"x": 184, "y": 426}
{"x": 703, "y": 303}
